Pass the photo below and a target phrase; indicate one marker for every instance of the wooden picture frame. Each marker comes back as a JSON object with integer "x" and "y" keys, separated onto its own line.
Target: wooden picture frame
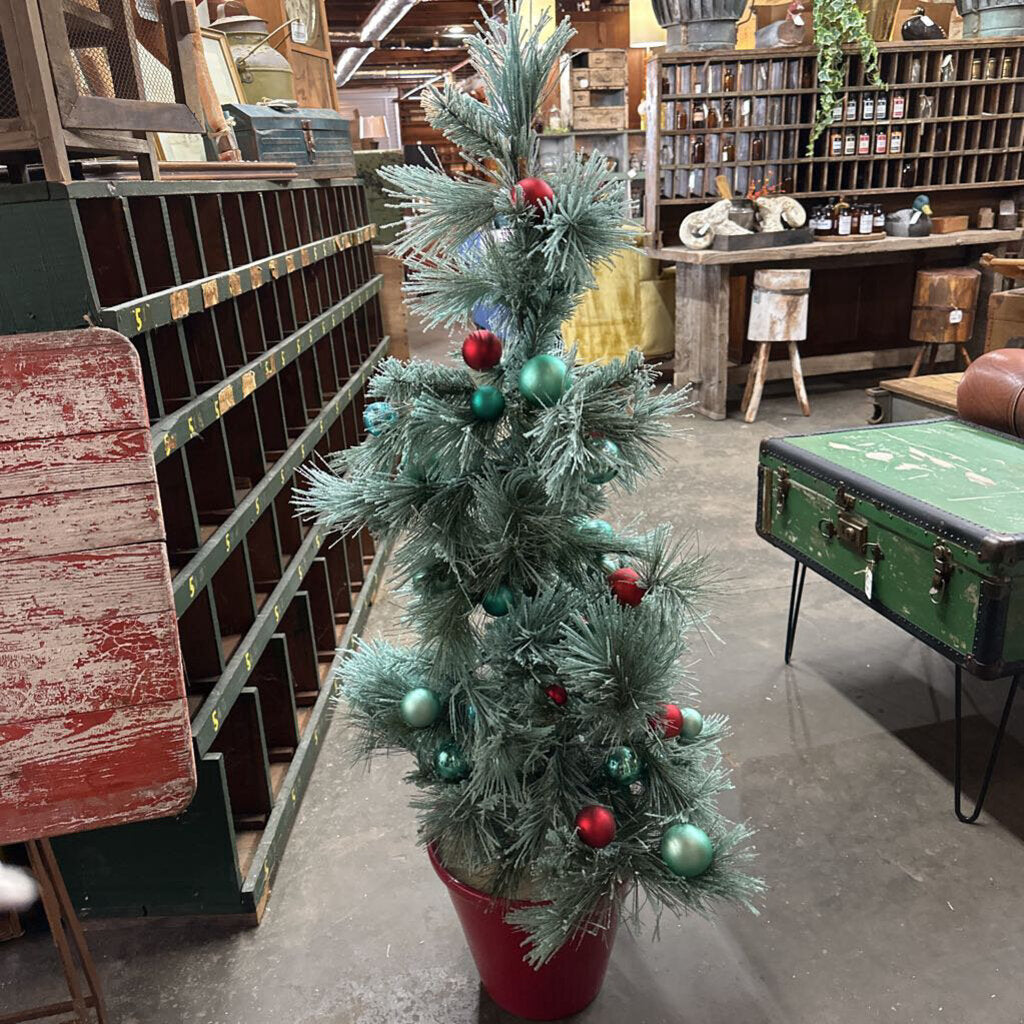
{"x": 221, "y": 63}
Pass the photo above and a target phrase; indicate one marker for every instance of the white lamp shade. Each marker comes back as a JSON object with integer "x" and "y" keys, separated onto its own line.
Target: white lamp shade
{"x": 644, "y": 29}
{"x": 373, "y": 127}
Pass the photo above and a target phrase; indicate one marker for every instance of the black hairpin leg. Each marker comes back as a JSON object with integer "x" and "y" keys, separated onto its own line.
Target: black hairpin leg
{"x": 796, "y": 591}
{"x": 958, "y": 700}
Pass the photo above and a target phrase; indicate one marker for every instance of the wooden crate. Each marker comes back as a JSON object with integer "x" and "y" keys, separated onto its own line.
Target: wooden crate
{"x": 962, "y": 125}
{"x": 599, "y": 78}
{"x": 606, "y": 59}
{"x": 599, "y": 118}
{"x": 254, "y": 309}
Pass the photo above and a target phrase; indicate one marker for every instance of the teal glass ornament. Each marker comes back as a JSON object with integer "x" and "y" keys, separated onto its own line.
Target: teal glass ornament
{"x": 608, "y": 452}
{"x": 471, "y": 714}
{"x": 686, "y": 850}
{"x": 693, "y": 723}
{"x": 609, "y": 563}
{"x": 420, "y": 708}
{"x": 450, "y": 762}
{"x": 378, "y": 416}
{"x": 543, "y": 380}
{"x": 622, "y": 765}
{"x": 498, "y": 601}
{"x": 600, "y": 526}
{"x": 487, "y": 404}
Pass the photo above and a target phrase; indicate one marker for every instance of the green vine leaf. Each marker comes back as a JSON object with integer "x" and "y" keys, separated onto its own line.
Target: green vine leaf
{"x": 837, "y": 24}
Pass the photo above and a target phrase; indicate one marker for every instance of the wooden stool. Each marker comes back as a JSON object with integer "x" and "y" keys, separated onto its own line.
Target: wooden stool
{"x": 778, "y": 312}
{"x": 944, "y": 302}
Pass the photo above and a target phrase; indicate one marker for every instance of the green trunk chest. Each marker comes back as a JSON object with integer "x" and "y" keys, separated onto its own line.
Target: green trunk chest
{"x": 922, "y": 521}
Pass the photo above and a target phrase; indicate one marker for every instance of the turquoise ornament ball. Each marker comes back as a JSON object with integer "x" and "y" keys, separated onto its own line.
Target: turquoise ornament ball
{"x": 420, "y": 708}
{"x": 498, "y": 601}
{"x": 693, "y": 723}
{"x": 378, "y": 416}
{"x": 607, "y": 452}
{"x": 686, "y": 850}
{"x": 451, "y": 763}
{"x": 599, "y": 526}
{"x": 487, "y": 403}
{"x": 543, "y": 380}
{"x": 622, "y": 765}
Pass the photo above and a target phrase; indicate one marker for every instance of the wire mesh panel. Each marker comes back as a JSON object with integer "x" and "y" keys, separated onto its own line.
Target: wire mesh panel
{"x": 8, "y": 101}
{"x": 122, "y": 64}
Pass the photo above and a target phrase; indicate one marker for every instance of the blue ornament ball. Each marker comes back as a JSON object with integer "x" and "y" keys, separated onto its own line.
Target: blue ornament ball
{"x": 487, "y": 404}
{"x": 686, "y": 850}
{"x": 420, "y": 708}
{"x": 601, "y": 526}
{"x": 498, "y": 601}
{"x": 622, "y": 765}
{"x": 450, "y": 762}
{"x": 378, "y": 416}
{"x": 693, "y": 723}
{"x": 543, "y": 380}
{"x": 607, "y": 453}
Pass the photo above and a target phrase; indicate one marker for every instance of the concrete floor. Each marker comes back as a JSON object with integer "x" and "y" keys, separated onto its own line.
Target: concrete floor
{"x": 881, "y": 907}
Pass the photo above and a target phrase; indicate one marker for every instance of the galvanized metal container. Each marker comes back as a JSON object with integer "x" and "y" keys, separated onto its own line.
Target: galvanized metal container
{"x": 992, "y": 18}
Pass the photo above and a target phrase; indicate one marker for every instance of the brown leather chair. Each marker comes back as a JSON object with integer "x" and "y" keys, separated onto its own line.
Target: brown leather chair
{"x": 991, "y": 392}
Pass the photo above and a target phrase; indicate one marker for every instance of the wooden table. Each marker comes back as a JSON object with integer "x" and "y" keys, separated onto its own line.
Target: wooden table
{"x": 915, "y": 398}
{"x": 703, "y": 305}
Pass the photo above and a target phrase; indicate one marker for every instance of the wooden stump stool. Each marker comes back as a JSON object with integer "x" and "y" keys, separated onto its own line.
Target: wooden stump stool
{"x": 778, "y": 312}
{"x": 943, "y": 314}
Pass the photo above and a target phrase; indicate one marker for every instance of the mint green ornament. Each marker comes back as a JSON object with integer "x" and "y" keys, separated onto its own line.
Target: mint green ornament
{"x": 451, "y": 762}
{"x": 686, "y": 850}
{"x": 599, "y": 526}
{"x": 622, "y": 765}
{"x": 420, "y": 708}
{"x": 543, "y": 380}
{"x": 498, "y": 601}
{"x": 378, "y": 416}
{"x": 607, "y": 451}
{"x": 693, "y": 723}
{"x": 487, "y": 404}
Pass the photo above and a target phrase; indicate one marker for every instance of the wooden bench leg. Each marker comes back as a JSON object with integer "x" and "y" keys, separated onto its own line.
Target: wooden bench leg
{"x": 965, "y": 354}
{"x": 798, "y": 379}
{"x": 755, "y": 381}
{"x": 918, "y": 359}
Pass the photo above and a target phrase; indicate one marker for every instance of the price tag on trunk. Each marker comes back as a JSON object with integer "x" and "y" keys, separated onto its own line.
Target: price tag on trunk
{"x": 956, "y": 316}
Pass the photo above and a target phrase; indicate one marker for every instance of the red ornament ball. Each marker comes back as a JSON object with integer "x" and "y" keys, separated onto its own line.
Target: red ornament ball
{"x": 482, "y": 350}
{"x": 596, "y": 826}
{"x": 669, "y": 722}
{"x": 536, "y": 191}
{"x": 625, "y": 586}
{"x": 557, "y": 694}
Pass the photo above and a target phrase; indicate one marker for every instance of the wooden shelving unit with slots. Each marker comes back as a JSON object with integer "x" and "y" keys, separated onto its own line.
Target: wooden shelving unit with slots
{"x": 961, "y": 125}
{"x": 254, "y": 308}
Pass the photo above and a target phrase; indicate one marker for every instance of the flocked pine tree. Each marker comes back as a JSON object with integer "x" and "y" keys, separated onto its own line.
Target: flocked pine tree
{"x": 541, "y": 700}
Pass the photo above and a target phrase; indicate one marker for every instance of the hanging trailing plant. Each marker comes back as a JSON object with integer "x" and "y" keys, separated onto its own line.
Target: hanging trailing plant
{"x": 839, "y": 23}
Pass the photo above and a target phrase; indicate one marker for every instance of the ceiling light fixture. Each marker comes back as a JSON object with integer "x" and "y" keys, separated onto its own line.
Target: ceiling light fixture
{"x": 455, "y": 30}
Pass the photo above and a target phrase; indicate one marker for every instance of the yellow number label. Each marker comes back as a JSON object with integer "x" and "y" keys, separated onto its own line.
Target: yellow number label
{"x": 191, "y": 586}
{"x": 302, "y": 448}
{"x": 257, "y": 505}
{"x": 321, "y": 426}
{"x": 282, "y": 476}
{"x": 216, "y": 407}
{"x": 138, "y": 317}
{"x": 168, "y": 444}
{"x": 316, "y": 738}
{"x": 191, "y": 427}
{"x": 293, "y": 796}
{"x": 277, "y": 614}
{"x": 337, "y": 686}
{"x": 215, "y": 719}
{"x": 248, "y": 661}
{"x": 227, "y": 542}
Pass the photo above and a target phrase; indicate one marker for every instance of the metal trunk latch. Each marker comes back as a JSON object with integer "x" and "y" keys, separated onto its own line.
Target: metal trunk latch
{"x": 942, "y": 570}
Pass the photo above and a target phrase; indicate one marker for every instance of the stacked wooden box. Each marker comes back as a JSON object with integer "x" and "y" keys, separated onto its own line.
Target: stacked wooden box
{"x": 254, "y": 309}
{"x": 599, "y": 91}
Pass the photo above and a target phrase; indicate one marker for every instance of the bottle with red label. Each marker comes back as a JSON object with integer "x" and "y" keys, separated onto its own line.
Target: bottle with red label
{"x": 899, "y": 105}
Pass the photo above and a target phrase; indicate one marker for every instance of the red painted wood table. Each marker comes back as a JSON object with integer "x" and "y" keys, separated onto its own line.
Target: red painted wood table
{"x": 93, "y": 720}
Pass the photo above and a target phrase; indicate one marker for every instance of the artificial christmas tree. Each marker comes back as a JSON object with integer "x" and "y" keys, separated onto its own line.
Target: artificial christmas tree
{"x": 555, "y": 771}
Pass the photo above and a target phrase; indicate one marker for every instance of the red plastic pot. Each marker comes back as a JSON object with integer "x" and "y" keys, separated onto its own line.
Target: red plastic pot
{"x": 566, "y": 984}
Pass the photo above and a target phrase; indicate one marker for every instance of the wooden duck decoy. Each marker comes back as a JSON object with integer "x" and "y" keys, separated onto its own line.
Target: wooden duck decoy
{"x": 914, "y": 222}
